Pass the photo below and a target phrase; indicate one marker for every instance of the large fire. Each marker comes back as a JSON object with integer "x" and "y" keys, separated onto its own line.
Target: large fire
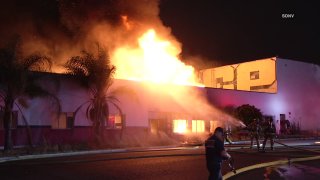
{"x": 155, "y": 60}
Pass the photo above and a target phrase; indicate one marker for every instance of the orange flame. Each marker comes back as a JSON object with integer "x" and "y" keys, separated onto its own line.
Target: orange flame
{"x": 126, "y": 22}
{"x": 154, "y": 60}
{"x": 179, "y": 126}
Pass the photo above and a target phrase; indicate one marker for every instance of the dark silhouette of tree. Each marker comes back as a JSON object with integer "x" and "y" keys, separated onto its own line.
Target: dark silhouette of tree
{"x": 230, "y": 109}
{"x": 18, "y": 80}
{"x": 95, "y": 73}
{"x": 247, "y": 113}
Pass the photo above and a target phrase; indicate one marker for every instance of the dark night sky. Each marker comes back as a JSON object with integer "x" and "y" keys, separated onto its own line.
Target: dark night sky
{"x": 236, "y": 31}
{"x": 225, "y": 31}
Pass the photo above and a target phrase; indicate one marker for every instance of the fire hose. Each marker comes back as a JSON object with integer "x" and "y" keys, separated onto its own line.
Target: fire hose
{"x": 231, "y": 165}
{"x": 289, "y": 160}
{"x": 301, "y": 149}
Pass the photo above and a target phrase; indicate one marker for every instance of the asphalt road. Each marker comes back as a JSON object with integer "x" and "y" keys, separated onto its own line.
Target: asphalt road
{"x": 309, "y": 170}
{"x": 187, "y": 163}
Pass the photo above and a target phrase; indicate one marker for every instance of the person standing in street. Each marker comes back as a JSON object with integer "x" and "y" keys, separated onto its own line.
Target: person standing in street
{"x": 215, "y": 153}
{"x": 228, "y": 134}
{"x": 269, "y": 133}
{"x": 254, "y": 130}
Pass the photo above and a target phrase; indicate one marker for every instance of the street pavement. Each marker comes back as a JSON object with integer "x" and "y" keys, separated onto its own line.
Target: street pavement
{"x": 153, "y": 163}
{"x": 307, "y": 170}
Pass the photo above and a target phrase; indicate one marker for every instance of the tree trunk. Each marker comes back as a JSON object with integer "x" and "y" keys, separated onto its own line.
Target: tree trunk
{"x": 104, "y": 113}
{"x": 7, "y": 123}
{"x": 96, "y": 121}
{"x": 29, "y": 132}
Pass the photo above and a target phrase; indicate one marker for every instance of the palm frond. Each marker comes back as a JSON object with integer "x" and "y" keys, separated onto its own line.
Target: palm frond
{"x": 109, "y": 76}
{"x": 23, "y": 102}
{"x": 112, "y": 98}
{"x": 117, "y": 107}
{"x": 79, "y": 107}
{"x": 93, "y": 91}
{"x": 55, "y": 102}
{"x": 29, "y": 134}
{"x": 96, "y": 71}
{"x": 33, "y": 90}
{"x": 88, "y": 110}
{"x": 36, "y": 62}
{"x": 76, "y": 66}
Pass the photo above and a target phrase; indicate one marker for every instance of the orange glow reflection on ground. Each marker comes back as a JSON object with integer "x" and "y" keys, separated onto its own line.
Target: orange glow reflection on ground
{"x": 154, "y": 60}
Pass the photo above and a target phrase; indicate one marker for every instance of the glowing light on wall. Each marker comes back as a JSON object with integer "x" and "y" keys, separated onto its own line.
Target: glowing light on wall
{"x": 259, "y": 75}
{"x": 214, "y": 124}
{"x": 198, "y": 126}
{"x": 179, "y": 126}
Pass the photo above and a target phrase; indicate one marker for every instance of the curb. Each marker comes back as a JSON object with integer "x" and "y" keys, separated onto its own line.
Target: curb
{"x": 109, "y": 151}
{"x": 278, "y": 139}
{"x": 106, "y": 151}
{"x": 39, "y": 156}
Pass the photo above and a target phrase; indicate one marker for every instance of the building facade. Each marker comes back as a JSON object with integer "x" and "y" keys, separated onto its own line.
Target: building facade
{"x": 279, "y": 87}
{"x": 282, "y": 88}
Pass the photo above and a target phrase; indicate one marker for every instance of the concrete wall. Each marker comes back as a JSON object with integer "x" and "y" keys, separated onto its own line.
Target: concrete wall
{"x": 138, "y": 101}
{"x": 298, "y": 94}
{"x": 298, "y": 97}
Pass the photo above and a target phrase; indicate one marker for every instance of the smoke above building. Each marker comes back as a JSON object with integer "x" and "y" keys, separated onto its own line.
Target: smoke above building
{"x": 138, "y": 44}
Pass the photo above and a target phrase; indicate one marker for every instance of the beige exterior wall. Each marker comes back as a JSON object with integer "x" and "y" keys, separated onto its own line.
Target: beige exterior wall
{"x": 258, "y": 76}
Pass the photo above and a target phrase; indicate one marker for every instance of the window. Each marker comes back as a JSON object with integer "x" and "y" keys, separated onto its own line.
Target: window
{"x": 198, "y": 126}
{"x": 254, "y": 75}
{"x": 158, "y": 121}
{"x": 115, "y": 122}
{"x": 154, "y": 123}
{"x": 14, "y": 122}
{"x": 179, "y": 126}
{"x": 213, "y": 125}
{"x": 64, "y": 121}
{"x": 219, "y": 82}
{"x": 157, "y": 125}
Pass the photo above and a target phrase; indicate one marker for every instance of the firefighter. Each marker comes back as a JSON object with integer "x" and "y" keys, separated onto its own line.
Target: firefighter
{"x": 269, "y": 133}
{"x": 227, "y": 135}
{"x": 215, "y": 153}
{"x": 254, "y": 130}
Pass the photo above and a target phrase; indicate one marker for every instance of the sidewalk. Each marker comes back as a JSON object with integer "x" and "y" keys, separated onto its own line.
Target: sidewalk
{"x": 90, "y": 152}
{"x": 276, "y": 139}
{"x": 238, "y": 144}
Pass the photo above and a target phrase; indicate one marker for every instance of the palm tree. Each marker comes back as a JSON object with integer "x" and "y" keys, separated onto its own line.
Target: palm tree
{"x": 95, "y": 73}
{"x": 18, "y": 80}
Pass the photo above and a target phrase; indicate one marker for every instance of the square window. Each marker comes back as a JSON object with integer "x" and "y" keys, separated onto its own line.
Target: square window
{"x": 213, "y": 126}
{"x": 219, "y": 82}
{"x": 64, "y": 121}
{"x": 198, "y": 126}
{"x": 114, "y": 122}
{"x": 254, "y": 75}
{"x": 179, "y": 126}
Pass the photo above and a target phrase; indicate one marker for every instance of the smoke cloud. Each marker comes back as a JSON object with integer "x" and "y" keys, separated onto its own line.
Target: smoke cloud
{"x": 62, "y": 28}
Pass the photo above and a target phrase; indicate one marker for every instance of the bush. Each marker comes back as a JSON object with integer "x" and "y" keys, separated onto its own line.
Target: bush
{"x": 247, "y": 113}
